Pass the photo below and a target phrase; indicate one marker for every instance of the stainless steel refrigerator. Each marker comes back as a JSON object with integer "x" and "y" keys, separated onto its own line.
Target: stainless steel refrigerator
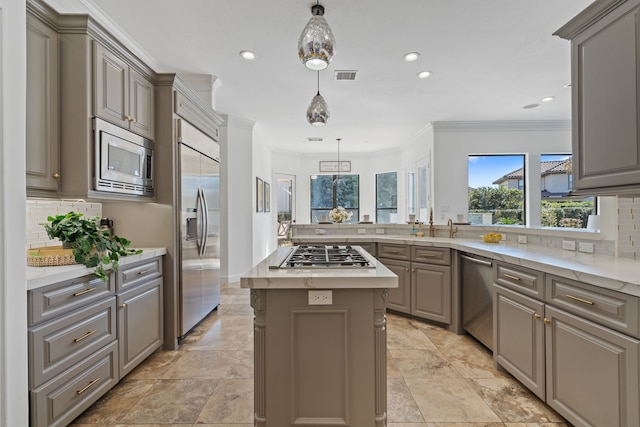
{"x": 199, "y": 225}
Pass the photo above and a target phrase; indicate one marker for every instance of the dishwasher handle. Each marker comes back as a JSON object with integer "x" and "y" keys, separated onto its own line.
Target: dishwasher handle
{"x": 477, "y": 260}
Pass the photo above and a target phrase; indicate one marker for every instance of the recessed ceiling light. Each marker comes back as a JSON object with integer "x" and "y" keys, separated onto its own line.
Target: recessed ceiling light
{"x": 530, "y": 106}
{"x": 548, "y": 98}
{"x": 424, "y": 74}
{"x": 411, "y": 56}
{"x": 247, "y": 54}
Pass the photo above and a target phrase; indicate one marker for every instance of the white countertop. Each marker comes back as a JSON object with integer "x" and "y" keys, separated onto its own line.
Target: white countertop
{"x": 263, "y": 277}
{"x": 38, "y": 277}
{"x": 619, "y": 274}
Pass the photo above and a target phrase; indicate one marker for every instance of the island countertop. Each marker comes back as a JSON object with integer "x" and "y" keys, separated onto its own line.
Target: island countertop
{"x": 265, "y": 276}
{"x": 38, "y": 277}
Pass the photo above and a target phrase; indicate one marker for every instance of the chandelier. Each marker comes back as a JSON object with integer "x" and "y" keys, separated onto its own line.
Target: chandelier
{"x": 318, "y": 111}
{"x": 316, "y": 45}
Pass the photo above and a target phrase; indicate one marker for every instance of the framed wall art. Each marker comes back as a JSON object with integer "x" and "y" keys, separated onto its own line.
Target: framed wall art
{"x": 259, "y": 195}
{"x": 332, "y": 166}
{"x": 267, "y": 197}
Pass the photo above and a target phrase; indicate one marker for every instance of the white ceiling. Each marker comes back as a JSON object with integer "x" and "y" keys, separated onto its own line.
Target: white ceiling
{"x": 488, "y": 59}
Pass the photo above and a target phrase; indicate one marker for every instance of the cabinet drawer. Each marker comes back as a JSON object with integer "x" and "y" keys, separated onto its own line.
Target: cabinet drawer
{"x": 132, "y": 275}
{"x": 367, "y": 246}
{"x": 51, "y": 301}
{"x": 521, "y": 279}
{"x": 390, "y": 250}
{"x": 56, "y": 345}
{"x": 431, "y": 255}
{"x": 603, "y": 306}
{"x": 61, "y": 400}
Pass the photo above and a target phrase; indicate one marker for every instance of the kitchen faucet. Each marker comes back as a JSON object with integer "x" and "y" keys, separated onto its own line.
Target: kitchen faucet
{"x": 431, "y": 227}
{"x": 451, "y": 230}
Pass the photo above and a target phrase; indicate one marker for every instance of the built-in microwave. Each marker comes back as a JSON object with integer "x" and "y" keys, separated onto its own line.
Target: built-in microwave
{"x": 123, "y": 160}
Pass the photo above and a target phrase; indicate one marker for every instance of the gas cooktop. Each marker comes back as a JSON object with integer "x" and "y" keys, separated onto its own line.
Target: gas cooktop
{"x": 325, "y": 256}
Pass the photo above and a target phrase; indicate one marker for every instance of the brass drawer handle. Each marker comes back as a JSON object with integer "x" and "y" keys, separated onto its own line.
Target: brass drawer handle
{"x": 584, "y": 301}
{"x": 546, "y": 321}
{"x": 393, "y": 251}
{"x": 536, "y": 316}
{"x": 428, "y": 255}
{"x": 56, "y": 175}
{"x": 123, "y": 305}
{"x": 86, "y": 291}
{"x": 509, "y": 276}
{"x": 406, "y": 269}
{"x": 148, "y": 270}
{"x": 85, "y": 388}
{"x": 87, "y": 335}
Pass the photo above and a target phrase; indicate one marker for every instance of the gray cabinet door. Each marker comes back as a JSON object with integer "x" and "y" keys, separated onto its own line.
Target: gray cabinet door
{"x": 518, "y": 332}
{"x": 111, "y": 87}
{"x": 431, "y": 292}
{"x": 43, "y": 109}
{"x": 400, "y": 297}
{"x": 141, "y": 101}
{"x": 592, "y": 371}
{"x": 139, "y": 324}
{"x": 605, "y": 101}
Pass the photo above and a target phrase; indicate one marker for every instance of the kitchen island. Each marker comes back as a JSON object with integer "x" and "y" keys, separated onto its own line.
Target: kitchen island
{"x": 319, "y": 342}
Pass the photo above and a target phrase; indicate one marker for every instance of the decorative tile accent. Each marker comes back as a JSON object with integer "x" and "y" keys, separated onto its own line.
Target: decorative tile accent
{"x": 39, "y": 209}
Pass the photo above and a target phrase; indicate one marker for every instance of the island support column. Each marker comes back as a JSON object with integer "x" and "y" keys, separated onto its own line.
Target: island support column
{"x": 320, "y": 365}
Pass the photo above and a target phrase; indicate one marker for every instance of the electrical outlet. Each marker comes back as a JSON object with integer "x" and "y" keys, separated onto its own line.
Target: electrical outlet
{"x": 379, "y": 230}
{"x": 504, "y": 237}
{"x": 569, "y": 245}
{"x": 362, "y": 230}
{"x": 320, "y": 231}
{"x": 585, "y": 247}
{"x": 522, "y": 239}
{"x": 323, "y": 297}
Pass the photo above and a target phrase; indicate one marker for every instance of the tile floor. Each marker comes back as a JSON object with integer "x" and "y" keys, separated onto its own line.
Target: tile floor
{"x": 435, "y": 379}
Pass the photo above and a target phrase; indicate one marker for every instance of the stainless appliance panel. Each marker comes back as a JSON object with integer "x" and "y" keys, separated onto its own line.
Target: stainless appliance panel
{"x": 477, "y": 297}
{"x": 200, "y": 228}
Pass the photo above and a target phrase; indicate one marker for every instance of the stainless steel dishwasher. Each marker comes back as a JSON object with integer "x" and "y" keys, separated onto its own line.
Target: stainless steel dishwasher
{"x": 477, "y": 297}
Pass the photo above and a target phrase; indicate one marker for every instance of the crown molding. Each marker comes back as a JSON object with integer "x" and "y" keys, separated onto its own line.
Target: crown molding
{"x": 503, "y": 126}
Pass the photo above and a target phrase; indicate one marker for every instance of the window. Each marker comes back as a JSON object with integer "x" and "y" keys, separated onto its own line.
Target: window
{"x": 387, "y": 198}
{"x": 411, "y": 192}
{"x": 496, "y": 189}
{"x": 330, "y": 191}
{"x": 422, "y": 190}
{"x": 557, "y": 207}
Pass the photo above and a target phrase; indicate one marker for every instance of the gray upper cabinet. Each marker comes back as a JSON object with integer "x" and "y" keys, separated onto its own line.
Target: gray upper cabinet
{"x": 122, "y": 95}
{"x": 605, "y": 51}
{"x": 43, "y": 110}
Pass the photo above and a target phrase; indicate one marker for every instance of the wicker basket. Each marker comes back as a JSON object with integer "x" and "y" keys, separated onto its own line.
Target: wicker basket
{"x": 50, "y": 256}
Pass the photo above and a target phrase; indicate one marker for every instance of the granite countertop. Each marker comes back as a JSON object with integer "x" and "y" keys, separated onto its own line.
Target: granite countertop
{"x": 263, "y": 277}
{"x": 38, "y": 277}
{"x": 619, "y": 274}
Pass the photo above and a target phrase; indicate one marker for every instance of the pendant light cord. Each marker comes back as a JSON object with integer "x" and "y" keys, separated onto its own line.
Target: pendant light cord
{"x": 318, "y": 83}
{"x": 338, "y": 139}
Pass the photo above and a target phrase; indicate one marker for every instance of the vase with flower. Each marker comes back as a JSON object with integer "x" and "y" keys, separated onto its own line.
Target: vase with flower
{"x": 339, "y": 214}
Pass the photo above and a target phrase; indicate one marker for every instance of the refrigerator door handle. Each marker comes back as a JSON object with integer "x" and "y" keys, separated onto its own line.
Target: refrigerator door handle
{"x": 205, "y": 217}
{"x": 202, "y": 231}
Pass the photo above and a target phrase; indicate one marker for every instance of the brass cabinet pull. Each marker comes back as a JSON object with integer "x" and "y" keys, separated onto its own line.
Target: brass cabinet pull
{"x": 85, "y": 388}
{"x": 123, "y": 305}
{"x": 509, "y": 276}
{"x": 413, "y": 270}
{"x": 134, "y": 120}
{"x": 428, "y": 255}
{"x": 87, "y": 335}
{"x": 536, "y": 316}
{"x": 546, "y": 321}
{"x": 584, "y": 301}
{"x": 393, "y": 251}
{"x": 56, "y": 175}
{"x": 406, "y": 269}
{"x": 86, "y": 291}
{"x": 128, "y": 117}
{"x": 148, "y": 270}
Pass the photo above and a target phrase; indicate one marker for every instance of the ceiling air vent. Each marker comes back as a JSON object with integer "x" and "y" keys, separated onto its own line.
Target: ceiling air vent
{"x": 346, "y": 74}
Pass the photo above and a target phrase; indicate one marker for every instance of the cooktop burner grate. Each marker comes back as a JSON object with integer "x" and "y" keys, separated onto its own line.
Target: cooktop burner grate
{"x": 325, "y": 256}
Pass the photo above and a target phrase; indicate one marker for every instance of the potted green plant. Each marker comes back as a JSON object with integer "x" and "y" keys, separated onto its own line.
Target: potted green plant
{"x": 91, "y": 246}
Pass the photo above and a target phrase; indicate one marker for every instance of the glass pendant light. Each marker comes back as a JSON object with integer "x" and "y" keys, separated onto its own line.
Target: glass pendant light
{"x": 318, "y": 111}
{"x": 316, "y": 45}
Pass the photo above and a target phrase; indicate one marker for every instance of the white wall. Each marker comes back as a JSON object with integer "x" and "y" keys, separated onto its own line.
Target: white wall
{"x": 14, "y": 410}
{"x": 237, "y": 195}
{"x": 265, "y": 239}
{"x": 455, "y": 141}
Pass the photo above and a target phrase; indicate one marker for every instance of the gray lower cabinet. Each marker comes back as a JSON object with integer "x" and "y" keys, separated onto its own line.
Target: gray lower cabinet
{"x": 572, "y": 348}
{"x": 424, "y": 280}
{"x": 140, "y": 320}
{"x": 85, "y": 335}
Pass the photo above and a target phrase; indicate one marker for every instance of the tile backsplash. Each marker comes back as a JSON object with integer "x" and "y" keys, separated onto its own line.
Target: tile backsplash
{"x": 628, "y": 227}
{"x": 39, "y": 209}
